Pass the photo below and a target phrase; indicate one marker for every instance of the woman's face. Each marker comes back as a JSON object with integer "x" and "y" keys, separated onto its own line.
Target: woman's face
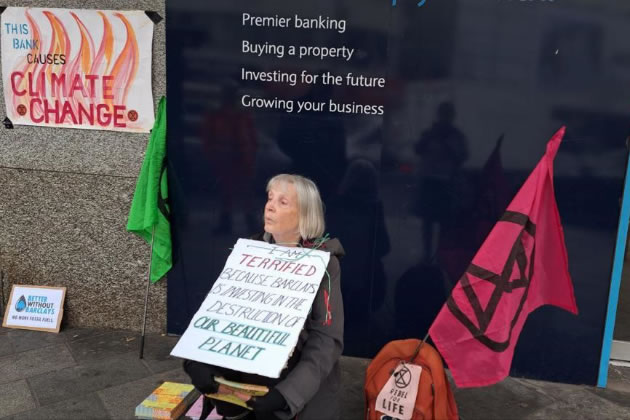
{"x": 281, "y": 212}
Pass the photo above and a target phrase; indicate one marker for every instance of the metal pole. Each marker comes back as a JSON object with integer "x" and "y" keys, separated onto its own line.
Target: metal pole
{"x": 146, "y": 297}
{"x": 415, "y": 353}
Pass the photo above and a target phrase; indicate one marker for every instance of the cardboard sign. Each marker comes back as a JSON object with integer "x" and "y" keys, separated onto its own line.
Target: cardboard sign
{"x": 251, "y": 319}
{"x": 77, "y": 68}
{"x": 35, "y": 308}
{"x": 398, "y": 397}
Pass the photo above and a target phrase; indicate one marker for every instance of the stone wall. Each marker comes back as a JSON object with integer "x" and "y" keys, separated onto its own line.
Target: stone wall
{"x": 64, "y": 199}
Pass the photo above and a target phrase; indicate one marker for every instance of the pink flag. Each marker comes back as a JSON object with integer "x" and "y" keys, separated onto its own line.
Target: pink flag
{"x": 521, "y": 266}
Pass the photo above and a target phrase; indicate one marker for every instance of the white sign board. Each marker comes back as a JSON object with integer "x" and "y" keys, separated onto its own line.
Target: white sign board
{"x": 35, "y": 308}
{"x": 397, "y": 399}
{"x": 251, "y": 319}
{"x": 77, "y": 68}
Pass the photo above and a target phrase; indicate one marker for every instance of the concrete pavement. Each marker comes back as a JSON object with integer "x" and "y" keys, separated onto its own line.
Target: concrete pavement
{"x": 96, "y": 374}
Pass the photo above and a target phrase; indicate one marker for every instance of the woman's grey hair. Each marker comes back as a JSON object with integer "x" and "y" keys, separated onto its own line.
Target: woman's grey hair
{"x": 310, "y": 208}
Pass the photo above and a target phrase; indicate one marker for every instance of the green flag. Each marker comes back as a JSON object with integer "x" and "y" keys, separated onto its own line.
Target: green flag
{"x": 149, "y": 209}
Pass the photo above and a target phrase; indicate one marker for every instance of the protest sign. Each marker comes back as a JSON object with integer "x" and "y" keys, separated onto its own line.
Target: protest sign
{"x": 398, "y": 397}
{"x": 77, "y": 68}
{"x": 35, "y": 308}
{"x": 252, "y": 317}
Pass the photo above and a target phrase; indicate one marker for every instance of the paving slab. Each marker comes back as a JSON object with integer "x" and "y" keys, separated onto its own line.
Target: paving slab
{"x": 121, "y": 401}
{"x": 494, "y": 402}
{"x": 86, "y": 378}
{"x": 621, "y": 399}
{"x": 157, "y": 349}
{"x": 6, "y": 347}
{"x": 24, "y": 340}
{"x": 74, "y": 333}
{"x": 352, "y": 381}
{"x": 102, "y": 346}
{"x": 79, "y": 408}
{"x": 619, "y": 378}
{"x": 577, "y": 401}
{"x": 15, "y": 397}
{"x": 34, "y": 362}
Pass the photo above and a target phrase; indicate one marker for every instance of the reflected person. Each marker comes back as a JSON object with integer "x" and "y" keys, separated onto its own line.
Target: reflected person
{"x": 315, "y": 142}
{"x": 230, "y": 145}
{"x": 357, "y": 217}
{"x": 442, "y": 149}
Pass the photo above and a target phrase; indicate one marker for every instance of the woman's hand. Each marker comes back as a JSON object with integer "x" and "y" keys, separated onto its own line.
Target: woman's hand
{"x": 201, "y": 376}
{"x": 272, "y": 401}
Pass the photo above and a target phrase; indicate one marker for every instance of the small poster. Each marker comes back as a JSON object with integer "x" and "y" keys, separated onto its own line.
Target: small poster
{"x": 397, "y": 399}
{"x": 35, "y": 308}
{"x": 77, "y": 68}
{"x": 252, "y": 317}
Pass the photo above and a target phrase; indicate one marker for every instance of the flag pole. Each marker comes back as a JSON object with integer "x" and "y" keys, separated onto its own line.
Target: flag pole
{"x": 415, "y": 353}
{"x": 146, "y": 296}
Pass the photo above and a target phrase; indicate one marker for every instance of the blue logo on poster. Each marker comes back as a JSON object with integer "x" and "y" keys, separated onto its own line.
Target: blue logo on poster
{"x": 21, "y": 304}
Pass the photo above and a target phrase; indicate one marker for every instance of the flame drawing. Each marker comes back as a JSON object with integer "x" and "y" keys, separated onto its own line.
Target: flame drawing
{"x": 126, "y": 65}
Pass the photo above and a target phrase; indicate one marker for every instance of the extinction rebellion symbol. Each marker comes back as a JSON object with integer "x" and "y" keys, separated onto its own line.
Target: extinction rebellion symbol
{"x": 402, "y": 377}
{"x": 504, "y": 283}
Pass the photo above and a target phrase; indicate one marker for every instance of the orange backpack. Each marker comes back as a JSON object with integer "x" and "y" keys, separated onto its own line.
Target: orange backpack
{"x": 434, "y": 400}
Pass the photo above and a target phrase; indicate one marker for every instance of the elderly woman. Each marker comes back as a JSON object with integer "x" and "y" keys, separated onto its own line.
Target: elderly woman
{"x": 308, "y": 387}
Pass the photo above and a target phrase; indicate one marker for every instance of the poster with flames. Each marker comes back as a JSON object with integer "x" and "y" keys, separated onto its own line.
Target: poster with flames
{"x": 86, "y": 69}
